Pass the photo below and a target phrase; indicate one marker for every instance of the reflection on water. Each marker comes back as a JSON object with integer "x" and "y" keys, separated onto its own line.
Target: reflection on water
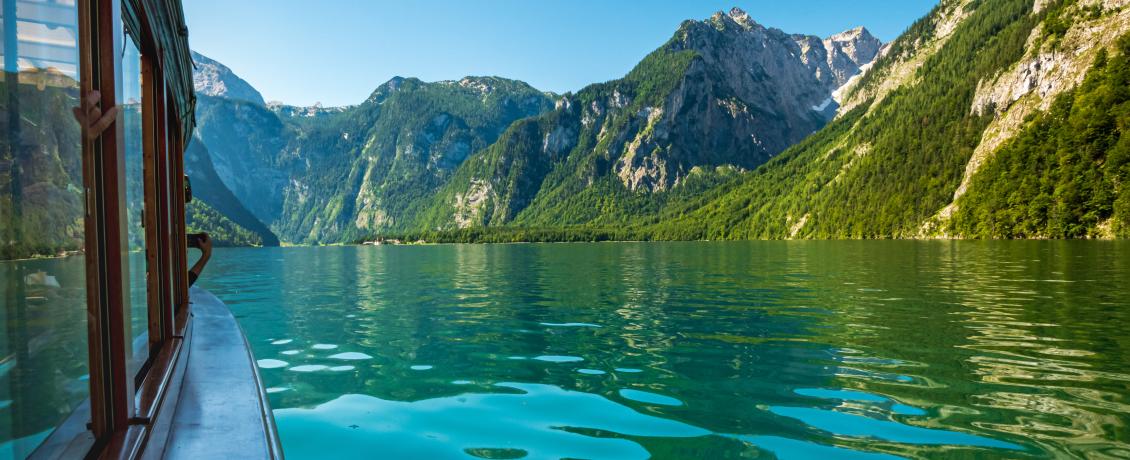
{"x": 707, "y": 350}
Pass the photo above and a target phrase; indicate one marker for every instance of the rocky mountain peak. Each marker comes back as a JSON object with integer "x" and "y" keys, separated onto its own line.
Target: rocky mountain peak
{"x": 394, "y": 83}
{"x": 856, "y": 44}
{"x": 742, "y": 18}
{"x": 389, "y": 87}
{"x": 483, "y": 85}
{"x": 737, "y": 19}
{"x": 807, "y": 68}
{"x": 856, "y": 33}
{"x": 211, "y": 78}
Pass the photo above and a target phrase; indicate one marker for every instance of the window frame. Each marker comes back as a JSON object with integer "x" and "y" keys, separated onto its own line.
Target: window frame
{"x": 126, "y": 412}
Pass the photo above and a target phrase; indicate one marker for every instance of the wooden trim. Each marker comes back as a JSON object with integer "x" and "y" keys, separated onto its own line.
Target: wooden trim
{"x": 158, "y": 215}
{"x": 110, "y": 387}
{"x": 116, "y": 237}
{"x": 180, "y": 237}
{"x": 161, "y": 408}
{"x": 165, "y": 224}
{"x": 151, "y": 175}
{"x": 89, "y": 78}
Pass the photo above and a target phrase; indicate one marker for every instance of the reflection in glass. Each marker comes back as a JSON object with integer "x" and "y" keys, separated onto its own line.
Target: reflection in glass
{"x": 43, "y": 362}
{"x": 130, "y": 103}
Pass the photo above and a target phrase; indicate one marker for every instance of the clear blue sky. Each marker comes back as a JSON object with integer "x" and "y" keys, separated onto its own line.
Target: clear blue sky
{"x": 338, "y": 51}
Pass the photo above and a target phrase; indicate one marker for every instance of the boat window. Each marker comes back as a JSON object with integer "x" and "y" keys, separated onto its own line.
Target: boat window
{"x": 43, "y": 340}
{"x": 132, "y": 141}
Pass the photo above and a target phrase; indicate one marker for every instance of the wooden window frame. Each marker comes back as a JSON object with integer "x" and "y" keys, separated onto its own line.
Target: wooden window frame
{"x": 126, "y": 413}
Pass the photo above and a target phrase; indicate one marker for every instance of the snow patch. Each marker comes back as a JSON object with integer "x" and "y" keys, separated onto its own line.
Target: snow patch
{"x": 824, "y": 105}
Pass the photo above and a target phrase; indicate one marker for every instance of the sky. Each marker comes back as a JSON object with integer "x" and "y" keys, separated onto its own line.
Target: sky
{"x": 337, "y": 52}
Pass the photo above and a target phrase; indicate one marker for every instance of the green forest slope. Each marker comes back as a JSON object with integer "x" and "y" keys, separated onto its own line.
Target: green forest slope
{"x": 889, "y": 165}
{"x": 1067, "y": 174}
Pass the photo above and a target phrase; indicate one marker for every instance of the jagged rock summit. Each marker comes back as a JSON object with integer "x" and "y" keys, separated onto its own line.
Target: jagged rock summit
{"x": 211, "y": 78}
{"x": 816, "y": 66}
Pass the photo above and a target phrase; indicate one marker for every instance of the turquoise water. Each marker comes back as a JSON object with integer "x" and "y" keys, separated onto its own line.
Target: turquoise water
{"x": 691, "y": 350}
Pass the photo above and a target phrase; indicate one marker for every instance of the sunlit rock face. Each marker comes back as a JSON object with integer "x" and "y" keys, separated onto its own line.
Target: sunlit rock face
{"x": 752, "y": 92}
{"x": 211, "y": 78}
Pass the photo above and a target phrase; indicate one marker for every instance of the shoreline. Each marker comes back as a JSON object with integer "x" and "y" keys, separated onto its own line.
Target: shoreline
{"x": 446, "y": 243}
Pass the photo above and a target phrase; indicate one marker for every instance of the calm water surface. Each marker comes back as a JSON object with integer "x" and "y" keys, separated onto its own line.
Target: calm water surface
{"x": 691, "y": 350}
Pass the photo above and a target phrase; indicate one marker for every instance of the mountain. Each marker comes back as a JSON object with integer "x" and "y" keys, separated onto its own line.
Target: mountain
{"x": 243, "y": 141}
{"x": 722, "y": 94}
{"x": 210, "y": 78}
{"x": 215, "y": 209}
{"x": 41, "y": 198}
{"x": 986, "y": 119}
{"x": 318, "y": 174}
{"x": 200, "y": 217}
{"x": 399, "y": 146}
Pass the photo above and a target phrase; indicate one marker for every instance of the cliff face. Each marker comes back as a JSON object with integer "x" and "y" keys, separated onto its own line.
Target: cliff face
{"x": 243, "y": 141}
{"x": 217, "y": 210}
{"x": 750, "y": 93}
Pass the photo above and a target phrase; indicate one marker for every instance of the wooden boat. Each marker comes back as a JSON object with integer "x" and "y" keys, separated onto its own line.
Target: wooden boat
{"x": 170, "y": 372}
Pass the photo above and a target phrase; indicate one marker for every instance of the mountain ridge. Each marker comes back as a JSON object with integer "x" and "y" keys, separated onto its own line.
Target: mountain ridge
{"x": 268, "y": 142}
{"x": 765, "y": 89}
{"x": 315, "y": 174}
{"x": 703, "y": 140}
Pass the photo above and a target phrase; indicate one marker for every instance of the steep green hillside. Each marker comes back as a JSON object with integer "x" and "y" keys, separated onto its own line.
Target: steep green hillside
{"x": 200, "y": 217}
{"x": 1067, "y": 174}
{"x": 893, "y": 161}
{"x": 211, "y": 193}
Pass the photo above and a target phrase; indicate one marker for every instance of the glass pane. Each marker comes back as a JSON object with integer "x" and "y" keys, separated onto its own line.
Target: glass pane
{"x": 130, "y": 103}
{"x": 43, "y": 354}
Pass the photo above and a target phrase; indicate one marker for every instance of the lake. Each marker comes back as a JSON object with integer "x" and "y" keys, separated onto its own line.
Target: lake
{"x": 691, "y": 350}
